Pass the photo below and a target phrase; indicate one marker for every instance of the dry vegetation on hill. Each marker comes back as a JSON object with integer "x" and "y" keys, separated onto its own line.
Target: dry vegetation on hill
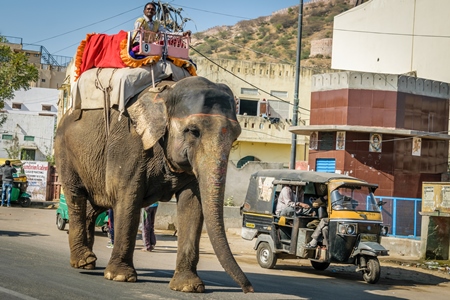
{"x": 273, "y": 39}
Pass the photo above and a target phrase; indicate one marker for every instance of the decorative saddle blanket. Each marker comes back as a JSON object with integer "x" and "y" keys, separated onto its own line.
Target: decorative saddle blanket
{"x": 103, "y": 65}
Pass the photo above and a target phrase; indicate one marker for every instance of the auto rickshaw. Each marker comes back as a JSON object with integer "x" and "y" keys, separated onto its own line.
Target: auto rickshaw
{"x": 354, "y": 221}
{"x": 62, "y": 216}
{"x": 20, "y": 184}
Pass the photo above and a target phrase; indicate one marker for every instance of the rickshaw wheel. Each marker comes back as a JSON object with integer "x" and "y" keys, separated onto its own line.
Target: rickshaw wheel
{"x": 320, "y": 266}
{"x": 60, "y": 222}
{"x": 372, "y": 273}
{"x": 266, "y": 258}
{"x": 25, "y": 202}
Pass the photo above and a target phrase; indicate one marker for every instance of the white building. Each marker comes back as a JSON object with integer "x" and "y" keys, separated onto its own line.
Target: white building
{"x": 394, "y": 37}
{"x": 29, "y": 129}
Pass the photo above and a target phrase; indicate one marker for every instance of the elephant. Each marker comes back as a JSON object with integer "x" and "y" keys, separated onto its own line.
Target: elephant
{"x": 172, "y": 140}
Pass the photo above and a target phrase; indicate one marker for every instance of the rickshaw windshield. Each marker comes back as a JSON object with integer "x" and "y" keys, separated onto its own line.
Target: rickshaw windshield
{"x": 356, "y": 198}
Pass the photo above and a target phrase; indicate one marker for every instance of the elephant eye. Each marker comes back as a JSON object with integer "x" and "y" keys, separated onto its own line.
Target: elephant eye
{"x": 194, "y": 131}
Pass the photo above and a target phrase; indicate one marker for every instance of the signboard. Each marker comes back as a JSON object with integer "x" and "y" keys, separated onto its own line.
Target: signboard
{"x": 436, "y": 198}
{"x": 37, "y": 174}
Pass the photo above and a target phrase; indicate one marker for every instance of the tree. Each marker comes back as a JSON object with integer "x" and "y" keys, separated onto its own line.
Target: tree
{"x": 15, "y": 72}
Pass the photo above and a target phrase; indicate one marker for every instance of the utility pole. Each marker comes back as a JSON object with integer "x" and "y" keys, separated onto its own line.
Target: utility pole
{"x": 297, "y": 82}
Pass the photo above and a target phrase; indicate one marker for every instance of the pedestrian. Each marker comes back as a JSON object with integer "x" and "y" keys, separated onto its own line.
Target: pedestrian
{"x": 148, "y": 229}
{"x": 110, "y": 228}
{"x": 7, "y": 172}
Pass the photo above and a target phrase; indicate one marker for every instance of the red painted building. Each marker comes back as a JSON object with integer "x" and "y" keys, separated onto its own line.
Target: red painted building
{"x": 386, "y": 129}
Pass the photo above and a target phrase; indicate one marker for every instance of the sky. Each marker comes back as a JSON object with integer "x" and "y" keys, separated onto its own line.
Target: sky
{"x": 60, "y": 26}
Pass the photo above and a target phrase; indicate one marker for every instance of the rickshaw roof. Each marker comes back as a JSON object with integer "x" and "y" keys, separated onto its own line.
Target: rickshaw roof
{"x": 14, "y": 162}
{"x": 305, "y": 176}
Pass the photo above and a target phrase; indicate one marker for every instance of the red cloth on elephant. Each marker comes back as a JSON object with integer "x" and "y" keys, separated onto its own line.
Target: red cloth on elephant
{"x": 102, "y": 51}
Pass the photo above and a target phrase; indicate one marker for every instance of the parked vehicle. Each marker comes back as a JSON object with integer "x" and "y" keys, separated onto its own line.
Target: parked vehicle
{"x": 354, "y": 229}
{"x": 20, "y": 184}
{"x": 62, "y": 216}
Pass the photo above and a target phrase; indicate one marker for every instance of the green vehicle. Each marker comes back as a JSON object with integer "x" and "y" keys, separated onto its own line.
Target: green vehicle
{"x": 19, "y": 186}
{"x": 62, "y": 216}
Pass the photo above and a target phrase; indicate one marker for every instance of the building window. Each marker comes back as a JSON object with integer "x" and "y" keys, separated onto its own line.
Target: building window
{"x": 248, "y": 107}
{"x": 326, "y": 141}
{"x": 17, "y": 105}
{"x": 28, "y": 154}
{"x": 279, "y": 94}
{"x": 247, "y": 91}
{"x": 36, "y": 55}
{"x": 28, "y": 138}
{"x": 42, "y": 80}
{"x": 46, "y": 107}
{"x": 7, "y": 137}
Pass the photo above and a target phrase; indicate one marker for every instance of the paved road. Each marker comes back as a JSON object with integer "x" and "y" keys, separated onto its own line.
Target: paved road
{"x": 34, "y": 264}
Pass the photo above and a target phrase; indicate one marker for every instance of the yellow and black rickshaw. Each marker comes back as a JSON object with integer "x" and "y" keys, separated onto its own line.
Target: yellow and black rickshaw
{"x": 354, "y": 231}
{"x": 20, "y": 184}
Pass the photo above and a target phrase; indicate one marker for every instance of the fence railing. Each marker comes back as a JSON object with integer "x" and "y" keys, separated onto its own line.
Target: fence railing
{"x": 402, "y": 216}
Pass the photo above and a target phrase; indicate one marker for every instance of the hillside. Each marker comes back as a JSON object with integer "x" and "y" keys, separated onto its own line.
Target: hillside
{"x": 273, "y": 39}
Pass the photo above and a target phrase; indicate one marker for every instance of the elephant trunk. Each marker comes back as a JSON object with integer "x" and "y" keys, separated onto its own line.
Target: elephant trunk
{"x": 212, "y": 189}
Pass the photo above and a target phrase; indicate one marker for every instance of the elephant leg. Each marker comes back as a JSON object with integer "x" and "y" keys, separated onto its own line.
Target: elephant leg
{"x": 91, "y": 218}
{"x": 120, "y": 266}
{"x": 190, "y": 222}
{"x": 81, "y": 255}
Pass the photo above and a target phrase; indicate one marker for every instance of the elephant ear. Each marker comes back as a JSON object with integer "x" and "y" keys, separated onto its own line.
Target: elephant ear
{"x": 149, "y": 114}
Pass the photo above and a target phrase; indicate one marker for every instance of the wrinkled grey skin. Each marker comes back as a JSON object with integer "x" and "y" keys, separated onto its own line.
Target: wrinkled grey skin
{"x": 177, "y": 143}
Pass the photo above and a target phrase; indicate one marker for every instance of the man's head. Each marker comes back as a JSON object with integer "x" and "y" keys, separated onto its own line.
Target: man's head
{"x": 150, "y": 10}
{"x": 7, "y": 163}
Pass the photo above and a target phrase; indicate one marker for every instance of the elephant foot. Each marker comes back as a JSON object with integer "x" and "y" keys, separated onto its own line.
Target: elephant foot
{"x": 120, "y": 273}
{"x": 86, "y": 261}
{"x": 187, "y": 282}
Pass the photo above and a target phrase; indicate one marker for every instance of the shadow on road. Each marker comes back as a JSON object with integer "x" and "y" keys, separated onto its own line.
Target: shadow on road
{"x": 19, "y": 233}
{"x": 308, "y": 288}
{"x": 390, "y": 276}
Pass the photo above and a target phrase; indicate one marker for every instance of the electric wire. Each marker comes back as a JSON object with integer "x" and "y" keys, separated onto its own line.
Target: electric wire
{"x": 242, "y": 79}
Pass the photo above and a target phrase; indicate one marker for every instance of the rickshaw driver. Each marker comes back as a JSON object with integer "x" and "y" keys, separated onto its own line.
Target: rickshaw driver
{"x": 286, "y": 206}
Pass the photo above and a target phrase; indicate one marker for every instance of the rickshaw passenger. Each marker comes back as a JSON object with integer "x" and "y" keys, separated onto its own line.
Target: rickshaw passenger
{"x": 320, "y": 206}
{"x": 320, "y": 233}
{"x": 286, "y": 206}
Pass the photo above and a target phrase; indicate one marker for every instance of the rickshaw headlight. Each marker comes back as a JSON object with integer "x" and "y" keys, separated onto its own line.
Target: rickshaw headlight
{"x": 351, "y": 229}
{"x": 347, "y": 229}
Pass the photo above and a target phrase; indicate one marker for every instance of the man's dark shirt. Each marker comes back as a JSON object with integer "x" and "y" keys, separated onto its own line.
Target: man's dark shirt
{"x": 8, "y": 172}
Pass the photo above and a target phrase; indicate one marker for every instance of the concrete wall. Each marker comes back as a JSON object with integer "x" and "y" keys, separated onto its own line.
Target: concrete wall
{"x": 321, "y": 47}
{"x": 395, "y": 37}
